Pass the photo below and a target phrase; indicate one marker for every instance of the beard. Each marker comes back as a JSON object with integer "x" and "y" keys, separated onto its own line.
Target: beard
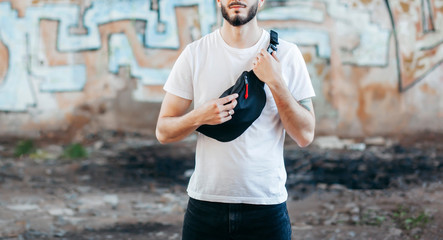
{"x": 237, "y": 20}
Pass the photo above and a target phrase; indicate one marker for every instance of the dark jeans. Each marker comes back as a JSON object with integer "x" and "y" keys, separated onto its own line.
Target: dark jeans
{"x": 223, "y": 221}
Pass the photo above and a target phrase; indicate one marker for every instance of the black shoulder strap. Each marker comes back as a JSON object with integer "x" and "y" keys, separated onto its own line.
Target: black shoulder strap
{"x": 273, "y": 42}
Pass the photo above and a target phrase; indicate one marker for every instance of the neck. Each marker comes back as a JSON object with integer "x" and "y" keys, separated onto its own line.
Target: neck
{"x": 242, "y": 36}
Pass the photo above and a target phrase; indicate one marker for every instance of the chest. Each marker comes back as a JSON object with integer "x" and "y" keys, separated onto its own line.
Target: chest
{"x": 216, "y": 72}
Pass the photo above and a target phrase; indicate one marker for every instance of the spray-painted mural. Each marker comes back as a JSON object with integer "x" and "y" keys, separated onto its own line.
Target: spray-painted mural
{"x": 58, "y": 56}
{"x": 418, "y": 36}
{"x": 22, "y": 38}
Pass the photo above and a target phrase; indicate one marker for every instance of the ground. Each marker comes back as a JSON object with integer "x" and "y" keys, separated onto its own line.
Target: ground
{"x": 130, "y": 187}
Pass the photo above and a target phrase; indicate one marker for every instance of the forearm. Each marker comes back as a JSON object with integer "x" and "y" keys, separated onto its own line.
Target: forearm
{"x": 173, "y": 129}
{"x": 298, "y": 121}
{"x": 174, "y": 123}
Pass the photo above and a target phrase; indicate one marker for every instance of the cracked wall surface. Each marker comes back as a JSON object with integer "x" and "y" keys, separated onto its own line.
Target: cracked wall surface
{"x": 91, "y": 65}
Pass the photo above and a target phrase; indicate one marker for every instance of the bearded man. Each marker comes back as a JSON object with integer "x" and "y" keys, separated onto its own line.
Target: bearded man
{"x": 237, "y": 190}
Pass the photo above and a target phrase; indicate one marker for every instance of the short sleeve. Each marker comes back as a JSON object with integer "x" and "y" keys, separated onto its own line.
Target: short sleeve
{"x": 300, "y": 84}
{"x": 180, "y": 82}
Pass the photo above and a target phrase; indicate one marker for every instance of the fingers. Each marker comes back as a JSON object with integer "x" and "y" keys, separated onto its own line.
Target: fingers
{"x": 227, "y": 99}
{"x": 226, "y": 107}
{"x": 229, "y": 106}
{"x": 226, "y": 115}
{"x": 227, "y": 103}
{"x": 229, "y": 114}
{"x": 263, "y": 54}
{"x": 274, "y": 54}
{"x": 260, "y": 57}
{"x": 225, "y": 119}
{"x": 218, "y": 111}
{"x": 254, "y": 63}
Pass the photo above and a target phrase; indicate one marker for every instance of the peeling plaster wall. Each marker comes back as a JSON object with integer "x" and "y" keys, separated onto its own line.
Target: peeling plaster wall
{"x": 76, "y": 67}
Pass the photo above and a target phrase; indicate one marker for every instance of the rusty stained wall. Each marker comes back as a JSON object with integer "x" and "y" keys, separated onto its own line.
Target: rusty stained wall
{"x": 74, "y": 67}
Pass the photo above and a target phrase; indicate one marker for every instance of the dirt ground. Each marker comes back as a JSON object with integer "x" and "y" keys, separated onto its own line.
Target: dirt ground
{"x": 130, "y": 187}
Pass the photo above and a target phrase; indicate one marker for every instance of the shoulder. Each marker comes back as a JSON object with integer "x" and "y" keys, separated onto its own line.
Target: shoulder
{"x": 288, "y": 47}
{"x": 203, "y": 43}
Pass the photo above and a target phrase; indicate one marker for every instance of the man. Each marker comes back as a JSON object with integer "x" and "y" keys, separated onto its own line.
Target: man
{"x": 237, "y": 190}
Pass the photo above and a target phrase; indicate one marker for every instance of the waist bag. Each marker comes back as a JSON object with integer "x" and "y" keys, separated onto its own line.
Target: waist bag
{"x": 250, "y": 103}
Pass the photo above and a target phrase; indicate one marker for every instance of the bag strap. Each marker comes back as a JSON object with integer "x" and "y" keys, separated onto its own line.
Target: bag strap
{"x": 273, "y": 42}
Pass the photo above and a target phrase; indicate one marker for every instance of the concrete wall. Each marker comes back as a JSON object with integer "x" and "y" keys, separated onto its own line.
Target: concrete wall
{"x": 70, "y": 68}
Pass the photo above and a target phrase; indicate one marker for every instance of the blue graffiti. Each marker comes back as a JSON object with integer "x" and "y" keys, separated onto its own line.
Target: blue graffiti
{"x": 169, "y": 39}
{"x": 22, "y": 38}
{"x": 16, "y": 93}
{"x": 372, "y": 50}
{"x": 105, "y": 11}
{"x": 120, "y": 54}
{"x": 28, "y": 63}
{"x": 307, "y": 37}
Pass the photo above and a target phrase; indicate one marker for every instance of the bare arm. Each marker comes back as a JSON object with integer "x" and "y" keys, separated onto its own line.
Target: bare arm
{"x": 174, "y": 123}
{"x": 298, "y": 121}
{"x": 297, "y": 117}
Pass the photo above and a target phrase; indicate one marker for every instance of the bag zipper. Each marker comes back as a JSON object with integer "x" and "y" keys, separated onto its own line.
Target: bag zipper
{"x": 247, "y": 84}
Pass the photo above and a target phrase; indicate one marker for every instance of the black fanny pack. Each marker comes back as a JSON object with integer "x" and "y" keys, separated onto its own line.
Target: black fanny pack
{"x": 250, "y": 103}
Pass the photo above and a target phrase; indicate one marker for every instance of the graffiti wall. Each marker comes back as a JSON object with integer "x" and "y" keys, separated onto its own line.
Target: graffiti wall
{"x": 76, "y": 67}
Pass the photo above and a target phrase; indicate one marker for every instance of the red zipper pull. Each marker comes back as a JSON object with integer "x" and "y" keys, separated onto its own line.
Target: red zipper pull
{"x": 247, "y": 84}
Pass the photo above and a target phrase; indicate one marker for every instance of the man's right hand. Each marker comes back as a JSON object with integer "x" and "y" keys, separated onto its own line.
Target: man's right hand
{"x": 218, "y": 111}
{"x": 174, "y": 123}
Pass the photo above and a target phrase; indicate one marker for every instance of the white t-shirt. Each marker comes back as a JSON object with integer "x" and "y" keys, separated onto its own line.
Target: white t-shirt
{"x": 249, "y": 169}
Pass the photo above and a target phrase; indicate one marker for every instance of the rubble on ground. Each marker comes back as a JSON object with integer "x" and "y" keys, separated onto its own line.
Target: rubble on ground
{"x": 130, "y": 187}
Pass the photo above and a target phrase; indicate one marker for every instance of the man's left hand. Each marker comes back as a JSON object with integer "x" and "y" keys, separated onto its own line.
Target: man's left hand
{"x": 267, "y": 67}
